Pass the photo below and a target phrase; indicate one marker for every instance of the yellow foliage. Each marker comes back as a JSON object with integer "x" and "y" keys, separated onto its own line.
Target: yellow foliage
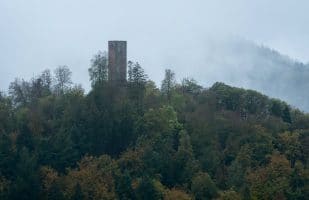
{"x": 132, "y": 162}
{"x": 229, "y": 195}
{"x": 271, "y": 181}
{"x": 94, "y": 175}
{"x": 49, "y": 176}
{"x": 174, "y": 194}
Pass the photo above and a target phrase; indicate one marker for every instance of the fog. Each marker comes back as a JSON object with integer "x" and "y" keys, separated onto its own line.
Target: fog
{"x": 206, "y": 40}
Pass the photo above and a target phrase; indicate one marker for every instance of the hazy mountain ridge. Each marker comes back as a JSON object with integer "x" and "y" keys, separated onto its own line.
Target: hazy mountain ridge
{"x": 283, "y": 77}
{"x": 245, "y": 64}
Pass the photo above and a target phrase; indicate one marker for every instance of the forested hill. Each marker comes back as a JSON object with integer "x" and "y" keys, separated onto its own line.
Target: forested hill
{"x": 135, "y": 141}
{"x": 243, "y": 63}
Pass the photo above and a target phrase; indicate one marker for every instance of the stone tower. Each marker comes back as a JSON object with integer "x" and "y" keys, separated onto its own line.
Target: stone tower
{"x": 117, "y": 61}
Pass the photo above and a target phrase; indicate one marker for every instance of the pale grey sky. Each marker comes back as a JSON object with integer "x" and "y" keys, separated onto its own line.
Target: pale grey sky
{"x": 40, "y": 34}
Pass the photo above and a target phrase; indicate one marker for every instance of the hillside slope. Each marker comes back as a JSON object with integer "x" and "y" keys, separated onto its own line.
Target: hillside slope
{"x": 138, "y": 142}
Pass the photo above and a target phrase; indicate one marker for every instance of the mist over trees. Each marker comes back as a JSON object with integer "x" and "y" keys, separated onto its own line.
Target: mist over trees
{"x": 243, "y": 63}
{"x": 136, "y": 141}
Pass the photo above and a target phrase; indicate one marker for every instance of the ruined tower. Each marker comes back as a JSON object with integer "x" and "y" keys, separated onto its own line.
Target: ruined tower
{"x": 117, "y": 61}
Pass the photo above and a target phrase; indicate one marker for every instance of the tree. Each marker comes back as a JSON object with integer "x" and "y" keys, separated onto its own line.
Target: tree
{"x": 178, "y": 194}
{"x": 136, "y": 73}
{"x": 63, "y": 79}
{"x": 137, "y": 80}
{"x": 37, "y": 89}
{"x": 229, "y": 195}
{"x": 271, "y": 181}
{"x": 46, "y": 78}
{"x": 290, "y": 145}
{"x": 93, "y": 179}
{"x": 203, "y": 187}
{"x": 168, "y": 84}
{"x": 6, "y": 114}
{"x": 152, "y": 95}
{"x": 78, "y": 194}
{"x": 124, "y": 186}
{"x": 185, "y": 164}
{"x": 298, "y": 182}
{"x": 20, "y": 92}
{"x": 98, "y": 69}
{"x": 27, "y": 183}
{"x": 130, "y": 71}
{"x": 147, "y": 189}
{"x": 286, "y": 116}
{"x": 190, "y": 86}
{"x": 4, "y": 188}
{"x": 239, "y": 166}
{"x": 51, "y": 184}
{"x": 41, "y": 85}
{"x": 28, "y": 92}
{"x": 7, "y": 158}
{"x": 276, "y": 107}
{"x": 159, "y": 131}
{"x": 162, "y": 121}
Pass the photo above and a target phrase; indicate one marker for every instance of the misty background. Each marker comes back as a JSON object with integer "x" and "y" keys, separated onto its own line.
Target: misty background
{"x": 262, "y": 45}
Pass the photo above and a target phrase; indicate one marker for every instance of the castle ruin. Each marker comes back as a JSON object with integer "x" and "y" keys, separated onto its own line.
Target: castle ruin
{"x": 117, "y": 61}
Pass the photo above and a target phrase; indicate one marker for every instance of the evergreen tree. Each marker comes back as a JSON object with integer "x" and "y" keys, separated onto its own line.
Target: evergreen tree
{"x": 168, "y": 84}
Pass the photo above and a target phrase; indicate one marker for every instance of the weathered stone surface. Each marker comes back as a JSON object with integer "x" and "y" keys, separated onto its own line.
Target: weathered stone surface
{"x": 117, "y": 61}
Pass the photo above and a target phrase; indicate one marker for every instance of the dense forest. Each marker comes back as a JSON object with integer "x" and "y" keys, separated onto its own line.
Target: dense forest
{"x": 138, "y": 141}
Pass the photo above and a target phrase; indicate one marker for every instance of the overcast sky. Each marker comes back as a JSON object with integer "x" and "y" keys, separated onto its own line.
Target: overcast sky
{"x": 37, "y": 34}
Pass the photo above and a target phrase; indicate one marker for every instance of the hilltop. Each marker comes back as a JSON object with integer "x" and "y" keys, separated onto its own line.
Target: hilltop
{"x": 138, "y": 141}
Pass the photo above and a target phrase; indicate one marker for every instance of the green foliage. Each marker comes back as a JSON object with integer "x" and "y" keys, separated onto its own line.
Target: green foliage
{"x": 63, "y": 79}
{"x": 289, "y": 144}
{"x": 203, "y": 187}
{"x": 185, "y": 164}
{"x": 135, "y": 141}
{"x": 77, "y": 195}
{"x": 137, "y": 80}
{"x": 147, "y": 189}
{"x": 124, "y": 186}
{"x": 136, "y": 74}
{"x": 98, "y": 69}
{"x": 168, "y": 84}
{"x": 271, "y": 181}
{"x": 190, "y": 86}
